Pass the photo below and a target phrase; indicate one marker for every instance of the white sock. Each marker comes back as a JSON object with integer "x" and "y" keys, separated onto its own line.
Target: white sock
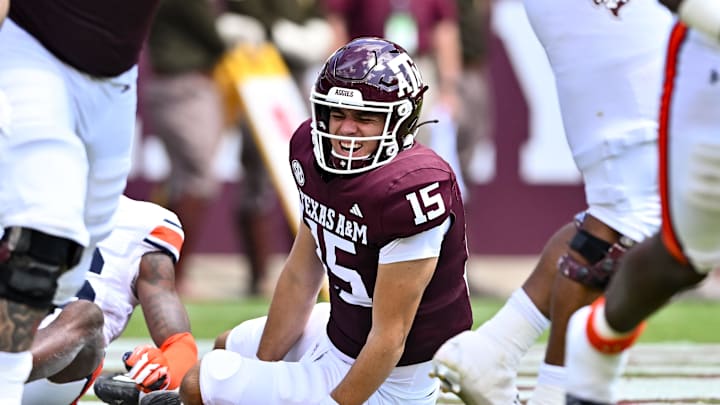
{"x": 518, "y": 322}
{"x": 550, "y": 387}
{"x": 603, "y": 328}
{"x": 522, "y": 302}
{"x": 14, "y": 370}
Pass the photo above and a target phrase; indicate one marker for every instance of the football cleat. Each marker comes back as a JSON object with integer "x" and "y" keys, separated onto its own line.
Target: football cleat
{"x": 161, "y": 398}
{"x": 116, "y": 390}
{"x": 471, "y": 366}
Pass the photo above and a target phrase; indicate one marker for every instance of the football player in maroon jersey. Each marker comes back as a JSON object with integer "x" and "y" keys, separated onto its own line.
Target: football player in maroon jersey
{"x": 687, "y": 247}
{"x": 384, "y": 216}
{"x": 68, "y": 72}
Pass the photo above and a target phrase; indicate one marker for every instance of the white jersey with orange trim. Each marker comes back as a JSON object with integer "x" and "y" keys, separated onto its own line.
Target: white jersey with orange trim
{"x": 140, "y": 228}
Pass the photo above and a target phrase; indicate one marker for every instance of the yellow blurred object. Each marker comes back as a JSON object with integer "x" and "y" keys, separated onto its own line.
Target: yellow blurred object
{"x": 237, "y": 65}
{"x": 232, "y": 106}
{"x": 257, "y": 86}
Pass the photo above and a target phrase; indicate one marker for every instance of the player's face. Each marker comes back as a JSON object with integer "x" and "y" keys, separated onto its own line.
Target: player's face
{"x": 355, "y": 124}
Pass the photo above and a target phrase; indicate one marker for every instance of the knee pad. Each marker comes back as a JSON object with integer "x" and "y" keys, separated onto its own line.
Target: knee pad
{"x": 30, "y": 264}
{"x": 603, "y": 258}
{"x": 221, "y": 376}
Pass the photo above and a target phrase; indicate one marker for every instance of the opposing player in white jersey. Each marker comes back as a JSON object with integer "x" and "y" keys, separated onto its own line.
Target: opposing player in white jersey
{"x": 688, "y": 246}
{"x": 607, "y": 59}
{"x": 133, "y": 266}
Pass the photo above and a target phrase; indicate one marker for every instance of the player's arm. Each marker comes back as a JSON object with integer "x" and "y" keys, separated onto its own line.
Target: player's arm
{"x": 398, "y": 290}
{"x": 295, "y": 296}
{"x": 167, "y": 321}
{"x": 164, "y": 312}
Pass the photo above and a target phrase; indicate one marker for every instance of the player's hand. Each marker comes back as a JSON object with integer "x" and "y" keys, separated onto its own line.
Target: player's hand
{"x": 148, "y": 367}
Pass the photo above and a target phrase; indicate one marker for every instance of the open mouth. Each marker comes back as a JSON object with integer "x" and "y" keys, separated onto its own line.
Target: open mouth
{"x": 349, "y": 148}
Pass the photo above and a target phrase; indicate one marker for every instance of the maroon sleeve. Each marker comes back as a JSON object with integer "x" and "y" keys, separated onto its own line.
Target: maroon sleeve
{"x": 418, "y": 201}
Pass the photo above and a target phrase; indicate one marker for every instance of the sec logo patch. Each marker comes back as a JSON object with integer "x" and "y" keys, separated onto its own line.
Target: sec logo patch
{"x": 298, "y": 172}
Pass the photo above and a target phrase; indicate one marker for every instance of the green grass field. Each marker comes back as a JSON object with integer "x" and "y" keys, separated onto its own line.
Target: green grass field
{"x": 684, "y": 320}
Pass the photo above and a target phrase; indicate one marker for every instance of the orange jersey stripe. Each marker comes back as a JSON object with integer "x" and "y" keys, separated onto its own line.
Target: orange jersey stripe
{"x": 668, "y": 234}
{"x": 168, "y": 235}
{"x": 89, "y": 381}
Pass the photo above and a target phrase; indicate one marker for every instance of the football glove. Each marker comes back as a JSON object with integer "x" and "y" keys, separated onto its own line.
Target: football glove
{"x": 148, "y": 367}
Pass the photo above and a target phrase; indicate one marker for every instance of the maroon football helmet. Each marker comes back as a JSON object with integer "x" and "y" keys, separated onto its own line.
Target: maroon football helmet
{"x": 374, "y": 75}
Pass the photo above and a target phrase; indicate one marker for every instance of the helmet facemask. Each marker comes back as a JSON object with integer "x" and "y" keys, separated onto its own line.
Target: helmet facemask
{"x": 370, "y": 75}
{"x": 395, "y": 114}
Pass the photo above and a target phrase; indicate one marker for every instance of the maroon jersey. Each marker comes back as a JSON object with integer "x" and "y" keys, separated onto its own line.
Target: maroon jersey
{"x": 99, "y": 37}
{"x": 353, "y": 217}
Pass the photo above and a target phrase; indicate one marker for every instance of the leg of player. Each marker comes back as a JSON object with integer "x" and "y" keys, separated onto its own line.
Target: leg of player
{"x": 612, "y": 135}
{"x": 649, "y": 276}
{"x": 30, "y": 264}
{"x": 15, "y": 358}
{"x": 585, "y": 271}
{"x": 568, "y": 295}
{"x": 480, "y": 366}
{"x": 598, "y": 336}
{"x": 67, "y": 352}
{"x": 190, "y": 387}
{"x": 71, "y": 346}
{"x": 241, "y": 343}
{"x": 688, "y": 246}
{"x": 627, "y": 290}
{"x": 243, "y": 339}
{"x": 220, "y": 341}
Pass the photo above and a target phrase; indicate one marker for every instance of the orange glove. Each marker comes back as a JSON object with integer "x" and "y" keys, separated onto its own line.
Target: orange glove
{"x": 181, "y": 352}
{"x": 164, "y": 368}
{"x": 148, "y": 367}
